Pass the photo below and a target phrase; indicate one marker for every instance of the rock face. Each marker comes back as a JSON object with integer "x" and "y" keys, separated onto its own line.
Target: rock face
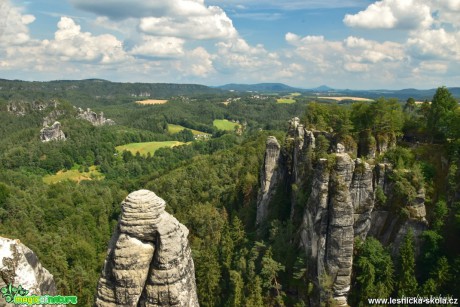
{"x": 269, "y": 177}
{"x": 94, "y": 118}
{"x": 53, "y": 133}
{"x": 21, "y": 108}
{"x": 20, "y": 266}
{"x": 338, "y": 205}
{"x": 149, "y": 261}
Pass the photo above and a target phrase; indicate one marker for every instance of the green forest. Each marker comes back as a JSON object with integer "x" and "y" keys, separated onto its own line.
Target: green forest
{"x": 211, "y": 185}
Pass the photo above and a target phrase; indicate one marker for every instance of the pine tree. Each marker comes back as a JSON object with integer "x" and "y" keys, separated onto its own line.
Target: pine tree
{"x": 407, "y": 285}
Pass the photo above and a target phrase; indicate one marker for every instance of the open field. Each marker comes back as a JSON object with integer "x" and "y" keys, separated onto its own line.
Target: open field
{"x": 73, "y": 175}
{"x": 295, "y": 94}
{"x": 345, "y": 98}
{"x": 151, "y": 101}
{"x": 178, "y": 128}
{"x": 223, "y": 124}
{"x": 146, "y": 147}
{"x": 285, "y": 100}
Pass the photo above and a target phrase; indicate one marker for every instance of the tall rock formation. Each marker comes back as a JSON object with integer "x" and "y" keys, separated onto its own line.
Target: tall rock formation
{"x": 20, "y": 266}
{"x": 338, "y": 204}
{"x": 52, "y": 133}
{"x": 269, "y": 177}
{"x": 94, "y": 118}
{"x": 149, "y": 260}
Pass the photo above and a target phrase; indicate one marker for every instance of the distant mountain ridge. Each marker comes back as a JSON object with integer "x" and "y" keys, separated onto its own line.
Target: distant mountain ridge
{"x": 104, "y": 89}
{"x": 259, "y": 87}
{"x": 283, "y": 88}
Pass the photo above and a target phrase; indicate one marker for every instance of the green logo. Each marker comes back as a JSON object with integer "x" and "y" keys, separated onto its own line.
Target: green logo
{"x": 9, "y": 292}
{"x": 18, "y": 295}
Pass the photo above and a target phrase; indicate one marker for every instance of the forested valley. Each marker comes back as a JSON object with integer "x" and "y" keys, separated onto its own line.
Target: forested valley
{"x": 211, "y": 185}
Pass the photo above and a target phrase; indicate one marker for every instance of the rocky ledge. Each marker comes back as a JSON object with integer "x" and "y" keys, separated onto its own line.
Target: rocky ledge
{"x": 149, "y": 260}
{"x": 52, "y": 133}
{"x": 20, "y": 266}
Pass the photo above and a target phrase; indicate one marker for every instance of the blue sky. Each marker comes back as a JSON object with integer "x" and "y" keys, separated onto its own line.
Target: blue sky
{"x": 357, "y": 44}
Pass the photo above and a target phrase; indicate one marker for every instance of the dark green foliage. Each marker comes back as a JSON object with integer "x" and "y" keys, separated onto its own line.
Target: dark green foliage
{"x": 328, "y": 117}
{"x": 441, "y": 112}
{"x": 211, "y": 187}
{"x": 407, "y": 283}
{"x": 372, "y": 272}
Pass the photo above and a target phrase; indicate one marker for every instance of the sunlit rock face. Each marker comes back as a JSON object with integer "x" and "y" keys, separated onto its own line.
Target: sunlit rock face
{"x": 20, "y": 266}
{"x": 149, "y": 260}
{"x": 269, "y": 177}
{"x": 52, "y": 133}
{"x": 94, "y": 118}
{"x": 333, "y": 202}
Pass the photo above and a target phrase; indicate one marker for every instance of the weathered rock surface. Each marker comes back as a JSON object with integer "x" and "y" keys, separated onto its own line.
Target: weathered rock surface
{"x": 94, "y": 118}
{"x": 340, "y": 203}
{"x": 20, "y": 266}
{"x": 149, "y": 260}
{"x": 52, "y": 133}
{"x": 52, "y": 117}
{"x": 269, "y": 177}
{"x": 21, "y": 108}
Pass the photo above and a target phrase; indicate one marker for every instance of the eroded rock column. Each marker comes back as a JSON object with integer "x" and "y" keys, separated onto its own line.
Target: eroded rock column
{"x": 149, "y": 260}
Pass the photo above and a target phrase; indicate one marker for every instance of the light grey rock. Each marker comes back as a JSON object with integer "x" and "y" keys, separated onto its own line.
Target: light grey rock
{"x": 339, "y": 202}
{"x": 52, "y": 117}
{"x": 52, "y": 133}
{"x": 363, "y": 197}
{"x": 149, "y": 260}
{"x": 269, "y": 178}
{"x": 22, "y": 108}
{"x": 340, "y": 148}
{"x": 94, "y": 118}
{"x": 20, "y": 266}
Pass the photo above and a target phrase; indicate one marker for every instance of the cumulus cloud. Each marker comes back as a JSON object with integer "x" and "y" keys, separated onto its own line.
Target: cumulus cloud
{"x": 178, "y": 18}
{"x": 289, "y": 4}
{"x": 211, "y": 24}
{"x": 435, "y": 44}
{"x": 13, "y": 25}
{"x": 71, "y": 44}
{"x": 353, "y": 58}
{"x": 390, "y": 14}
{"x": 197, "y": 62}
{"x": 159, "y": 47}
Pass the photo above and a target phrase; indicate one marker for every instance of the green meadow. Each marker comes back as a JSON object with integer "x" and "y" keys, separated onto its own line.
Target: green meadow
{"x": 223, "y": 124}
{"x": 285, "y": 100}
{"x": 178, "y": 128}
{"x": 74, "y": 175}
{"x": 147, "y": 147}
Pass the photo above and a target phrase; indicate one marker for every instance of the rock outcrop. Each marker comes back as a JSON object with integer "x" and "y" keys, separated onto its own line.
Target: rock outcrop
{"x": 149, "y": 260}
{"x": 52, "y": 117}
{"x": 20, "y": 266}
{"x": 21, "y": 108}
{"x": 94, "y": 118}
{"x": 52, "y": 133}
{"x": 269, "y": 177}
{"x": 334, "y": 202}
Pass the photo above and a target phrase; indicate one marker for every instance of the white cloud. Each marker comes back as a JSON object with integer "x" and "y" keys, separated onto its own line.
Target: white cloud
{"x": 288, "y": 4}
{"x": 435, "y": 44}
{"x": 70, "y": 44}
{"x": 212, "y": 23}
{"x": 13, "y": 25}
{"x": 178, "y": 18}
{"x": 197, "y": 62}
{"x": 429, "y": 67}
{"x": 162, "y": 47}
{"x": 353, "y": 59}
{"x": 390, "y": 14}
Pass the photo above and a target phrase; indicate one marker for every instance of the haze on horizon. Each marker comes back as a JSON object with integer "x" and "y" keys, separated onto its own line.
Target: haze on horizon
{"x": 357, "y": 44}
